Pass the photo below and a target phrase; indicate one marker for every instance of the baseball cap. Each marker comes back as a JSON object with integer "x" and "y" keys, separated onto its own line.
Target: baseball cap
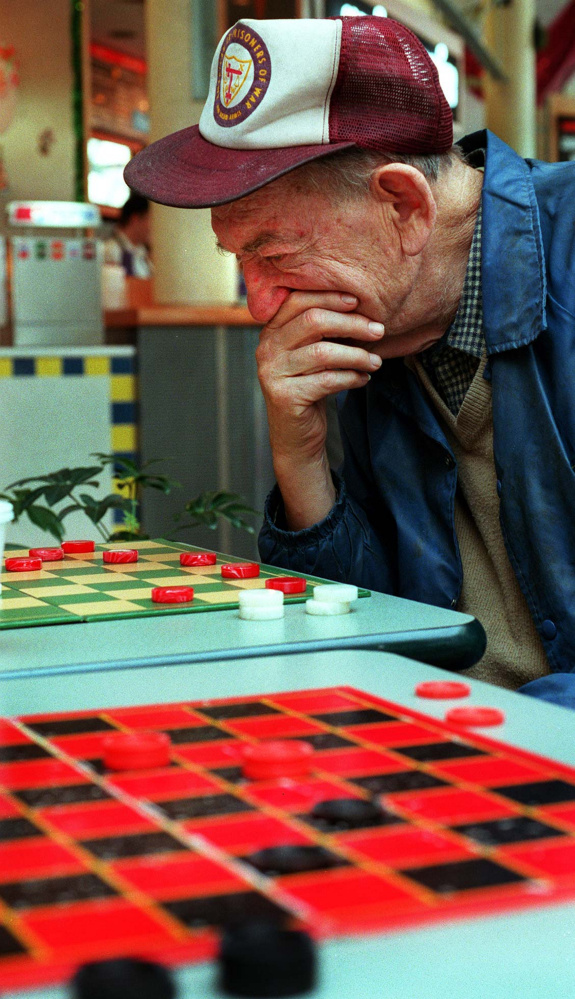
{"x": 285, "y": 92}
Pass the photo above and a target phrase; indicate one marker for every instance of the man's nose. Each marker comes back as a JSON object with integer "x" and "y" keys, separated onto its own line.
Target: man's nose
{"x": 265, "y": 292}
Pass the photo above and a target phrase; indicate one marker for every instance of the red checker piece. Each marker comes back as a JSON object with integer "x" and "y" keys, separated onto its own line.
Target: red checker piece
{"x": 287, "y": 584}
{"x": 47, "y": 554}
{"x": 120, "y": 555}
{"x": 442, "y": 689}
{"x": 23, "y": 564}
{"x": 240, "y": 570}
{"x": 198, "y": 558}
{"x": 172, "y": 594}
{"x": 136, "y": 750}
{"x": 78, "y": 547}
{"x": 277, "y": 758}
{"x": 482, "y": 717}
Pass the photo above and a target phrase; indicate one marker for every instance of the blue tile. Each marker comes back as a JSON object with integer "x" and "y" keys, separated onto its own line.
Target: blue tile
{"x": 126, "y": 456}
{"x": 73, "y": 366}
{"x": 123, "y": 365}
{"x": 24, "y": 366}
{"x": 124, "y": 412}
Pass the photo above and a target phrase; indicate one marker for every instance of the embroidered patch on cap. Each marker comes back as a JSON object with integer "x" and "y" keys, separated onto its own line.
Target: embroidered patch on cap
{"x": 244, "y": 73}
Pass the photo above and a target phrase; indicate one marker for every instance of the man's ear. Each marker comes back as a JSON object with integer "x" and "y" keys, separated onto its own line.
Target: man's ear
{"x": 410, "y": 203}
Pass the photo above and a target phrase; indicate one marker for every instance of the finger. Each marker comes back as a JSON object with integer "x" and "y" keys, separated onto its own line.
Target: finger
{"x": 325, "y": 355}
{"x": 317, "y": 324}
{"x": 299, "y": 302}
{"x": 313, "y": 388}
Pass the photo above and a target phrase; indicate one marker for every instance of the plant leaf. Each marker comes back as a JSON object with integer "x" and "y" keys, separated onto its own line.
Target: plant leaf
{"x": 46, "y": 520}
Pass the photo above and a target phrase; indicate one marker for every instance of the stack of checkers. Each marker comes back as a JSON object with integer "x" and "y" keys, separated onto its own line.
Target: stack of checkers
{"x": 268, "y": 604}
{"x": 332, "y": 598}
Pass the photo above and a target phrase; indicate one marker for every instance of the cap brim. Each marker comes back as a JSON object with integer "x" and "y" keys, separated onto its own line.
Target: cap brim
{"x": 185, "y": 171}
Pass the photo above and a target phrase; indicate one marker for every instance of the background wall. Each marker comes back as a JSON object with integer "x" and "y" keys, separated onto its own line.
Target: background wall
{"x": 40, "y": 32}
{"x": 188, "y": 266}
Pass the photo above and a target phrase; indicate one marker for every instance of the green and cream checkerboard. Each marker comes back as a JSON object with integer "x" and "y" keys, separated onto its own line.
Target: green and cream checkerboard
{"x": 84, "y": 588}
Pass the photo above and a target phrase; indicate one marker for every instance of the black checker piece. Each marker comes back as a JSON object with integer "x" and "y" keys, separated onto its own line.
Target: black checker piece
{"x": 276, "y": 861}
{"x": 234, "y": 775}
{"x": 225, "y": 910}
{"x": 22, "y": 753}
{"x": 9, "y": 944}
{"x": 71, "y": 726}
{"x": 139, "y": 844}
{"x": 68, "y": 794}
{"x": 407, "y": 780}
{"x": 430, "y": 751}
{"x": 511, "y": 830}
{"x": 342, "y": 814}
{"x": 197, "y": 733}
{"x": 250, "y": 709}
{"x": 540, "y": 792}
{"x": 54, "y": 891}
{"x": 326, "y": 740}
{"x": 18, "y": 829}
{"x": 463, "y": 875}
{"x": 203, "y": 807}
{"x": 357, "y": 716}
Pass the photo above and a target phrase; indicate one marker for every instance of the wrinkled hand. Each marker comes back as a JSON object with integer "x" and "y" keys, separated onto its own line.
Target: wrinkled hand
{"x": 314, "y": 346}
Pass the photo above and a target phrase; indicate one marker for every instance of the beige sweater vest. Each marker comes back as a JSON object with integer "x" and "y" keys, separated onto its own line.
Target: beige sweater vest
{"x": 490, "y": 589}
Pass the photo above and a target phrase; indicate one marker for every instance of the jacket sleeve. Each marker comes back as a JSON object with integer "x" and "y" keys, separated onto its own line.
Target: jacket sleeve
{"x": 558, "y": 688}
{"x": 342, "y": 547}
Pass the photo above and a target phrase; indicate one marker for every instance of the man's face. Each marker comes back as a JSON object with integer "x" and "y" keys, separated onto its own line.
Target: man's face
{"x": 286, "y": 239}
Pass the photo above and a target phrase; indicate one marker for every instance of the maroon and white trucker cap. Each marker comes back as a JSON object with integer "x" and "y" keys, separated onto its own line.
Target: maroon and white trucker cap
{"x": 285, "y": 92}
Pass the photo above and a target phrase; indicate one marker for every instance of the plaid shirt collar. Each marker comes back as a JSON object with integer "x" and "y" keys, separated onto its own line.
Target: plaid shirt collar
{"x": 452, "y": 362}
{"x": 466, "y": 330}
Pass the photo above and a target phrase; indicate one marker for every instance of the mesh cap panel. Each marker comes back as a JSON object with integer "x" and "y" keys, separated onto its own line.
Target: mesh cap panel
{"x": 387, "y": 94}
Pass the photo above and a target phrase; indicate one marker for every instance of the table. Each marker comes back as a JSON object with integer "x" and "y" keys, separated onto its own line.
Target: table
{"x": 521, "y": 954}
{"x": 430, "y": 634}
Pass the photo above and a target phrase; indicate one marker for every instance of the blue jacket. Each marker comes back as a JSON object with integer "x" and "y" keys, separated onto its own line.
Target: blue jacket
{"x": 392, "y": 527}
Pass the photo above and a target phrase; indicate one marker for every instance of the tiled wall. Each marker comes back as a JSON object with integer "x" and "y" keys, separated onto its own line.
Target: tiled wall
{"x": 118, "y": 369}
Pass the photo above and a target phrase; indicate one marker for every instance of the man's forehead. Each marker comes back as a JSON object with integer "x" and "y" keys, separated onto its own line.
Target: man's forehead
{"x": 252, "y": 204}
{"x": 275, "y": 214}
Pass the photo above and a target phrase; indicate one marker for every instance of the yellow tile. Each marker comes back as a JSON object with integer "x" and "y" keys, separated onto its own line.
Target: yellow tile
{"x": 144, "y": 593}
{"x": 124, "y": 437}
{"x": 193, "y": 579}
{"x": 97, "y": 366}
{"x": 5, "y": 367}
{"x": 219, "y": 597}
{"x": 101, "y": 607}
{"x": 137, "y": 545}
{"x": 130, "y": 567}
{"x": 248, "y": 584}
{"x": 102, "y": 577}
{"x": 123, "y": 388}
{"x": 57, "y": 591}
{"x": 17, "y": 577}
{"x": 205, "y": 570}
{"x": 196, "y": 575}
{"x": 164, "y": 557}
{"x": 169, "y": 581}
{"x": 122, "y": 489}
{"x": 17, "y": 603}
{"x": 49, "y": 367}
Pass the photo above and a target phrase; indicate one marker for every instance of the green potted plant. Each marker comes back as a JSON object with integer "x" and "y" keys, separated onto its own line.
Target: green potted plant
{"x": 47, "y": 500}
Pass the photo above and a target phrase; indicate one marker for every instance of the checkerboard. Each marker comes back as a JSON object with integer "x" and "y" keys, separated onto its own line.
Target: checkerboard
{"x": 96, "y": 864}
{"x": 84, "y": 588}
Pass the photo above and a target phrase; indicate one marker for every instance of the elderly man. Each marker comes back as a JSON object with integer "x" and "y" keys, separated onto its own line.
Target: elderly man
{"x": 430, "y": 284}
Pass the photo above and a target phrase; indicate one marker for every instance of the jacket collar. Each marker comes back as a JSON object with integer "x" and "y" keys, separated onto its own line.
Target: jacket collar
{"x": 513, "y": 275}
